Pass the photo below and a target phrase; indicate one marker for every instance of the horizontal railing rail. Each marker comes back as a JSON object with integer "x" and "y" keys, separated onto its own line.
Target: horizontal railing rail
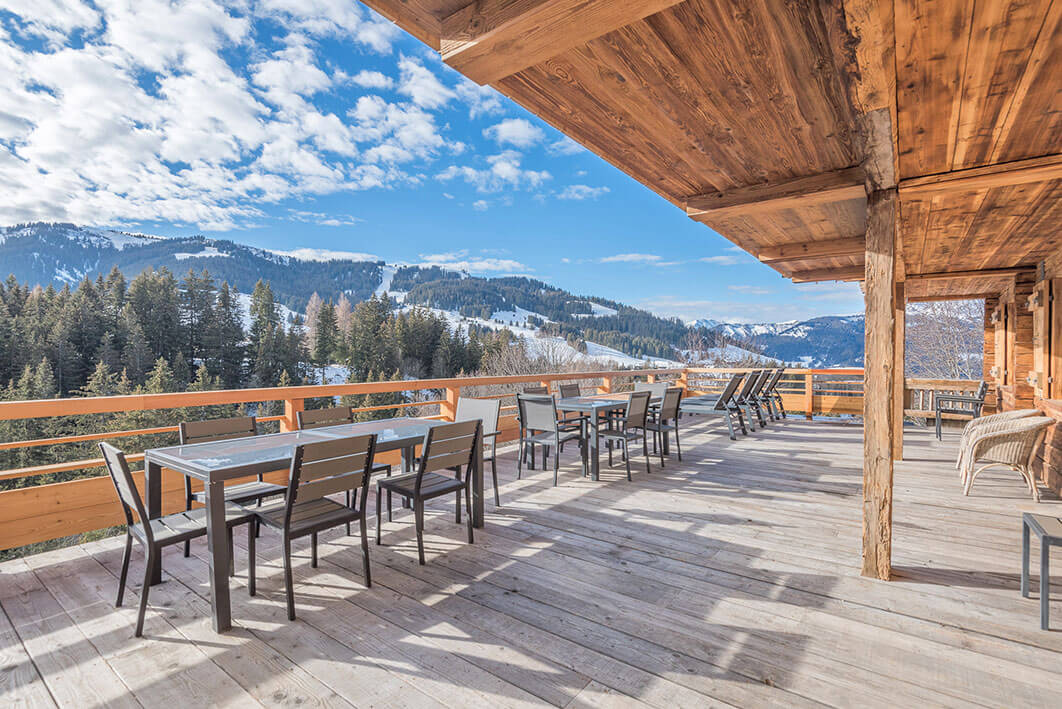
{"x": 39, "y": 510}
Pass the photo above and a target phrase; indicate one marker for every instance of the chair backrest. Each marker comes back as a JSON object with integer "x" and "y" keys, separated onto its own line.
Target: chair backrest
{"x": 655, "y": 389}
{"x": 772, "y": 383}
{"x": 128, "y": 495}
{"x": 484, "y": 410}
{"x": 319, "y": 418}
{"x": 217, "y": 429}
{"x": 764, "y": 376}
{"x": 638, "y": 409}
{"x": 539, "y": 412}
{"x": 570, "y": 391}
{"x": 728, "y": 392}
{"x": 982, "y": 390}
{"x": 536, "y": 389}
{"x": 751, "y": 380}
{"x": 669, "y": 407}
{"x": 449, "y": 446}
{"x": 328, "y": 467}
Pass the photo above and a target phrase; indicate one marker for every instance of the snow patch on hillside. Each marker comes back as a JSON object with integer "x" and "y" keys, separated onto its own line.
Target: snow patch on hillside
{"x": 596, "y": 310}
{"x": 287, "y": 315}
{"x": 207, "y": 252}
{"x": 517, "y": 316}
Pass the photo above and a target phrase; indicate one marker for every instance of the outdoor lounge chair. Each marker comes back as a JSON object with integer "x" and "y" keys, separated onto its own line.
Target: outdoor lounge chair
{"x": 449, "y": 447}
{"x": 747, "y": 397}
{"x": 319, "y": 470}
{"x": 985, "y": 424}
{"x": 160, "y": 532}
{"x": 769, "y": 397}
{"x": 724, "y": 405}
{"x": 961, "y": 404}
{"x": 630, "y": 427}
{"x": 1013, "y": 445}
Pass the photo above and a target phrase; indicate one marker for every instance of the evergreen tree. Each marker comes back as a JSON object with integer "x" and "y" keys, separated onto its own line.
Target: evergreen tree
{"x": 197, "y": 310}
{"x": 224, "y": 341}
{"x": 326, "y": 339}
{"x": 372, "y": 347}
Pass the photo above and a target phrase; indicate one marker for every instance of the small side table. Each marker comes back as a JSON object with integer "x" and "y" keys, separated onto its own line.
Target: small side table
{"x": 1049, "y": 531}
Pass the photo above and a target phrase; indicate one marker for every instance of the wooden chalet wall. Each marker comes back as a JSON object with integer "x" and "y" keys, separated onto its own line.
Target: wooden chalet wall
{"x": 989, "y": 360}
{"x": 1048, "y": 466}
{"x": 1013, "y": 345}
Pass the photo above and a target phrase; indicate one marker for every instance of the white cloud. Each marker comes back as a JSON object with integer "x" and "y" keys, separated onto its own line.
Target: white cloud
{"x": 504, "y": 172}
{"x": 751, "y": 290}
{"x": 631, "y": 258}
{"x": 422, "y": 86}
{"x": 581, "y": 192}
{"x": 323, "y": 218}
{"x": 480, "y": 205}
{"x": 565, "y": 146}
{"x": 371, "y": 79}
{"x": 460, "y": 261}
{"x": 515, "y": 131}
{"x": 308, "y": 254}
{"x": 723, "y": 260}
{"x": 337, "y": 18}
{"x": 481, "y": 100}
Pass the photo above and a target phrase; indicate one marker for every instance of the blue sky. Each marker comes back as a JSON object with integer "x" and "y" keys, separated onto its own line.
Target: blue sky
{"x": 316, "y": 125}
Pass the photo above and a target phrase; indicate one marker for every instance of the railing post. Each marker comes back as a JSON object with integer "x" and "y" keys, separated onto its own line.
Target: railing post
{"x": 683, "y": 381}
{"x": 809, "y": 395}
{"x": 292, "y": 407}
{"x": 547, "y": 385}
{"x": 448, "y": 408}
{"x": 605, "y": 386}
{"x": 650, "y": 378}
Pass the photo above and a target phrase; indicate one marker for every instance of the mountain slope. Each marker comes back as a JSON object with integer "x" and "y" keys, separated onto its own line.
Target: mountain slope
{"x": 830, "y": 341}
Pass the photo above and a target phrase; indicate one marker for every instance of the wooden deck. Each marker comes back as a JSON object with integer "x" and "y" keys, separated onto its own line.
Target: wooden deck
{"x": 729, "y": 579}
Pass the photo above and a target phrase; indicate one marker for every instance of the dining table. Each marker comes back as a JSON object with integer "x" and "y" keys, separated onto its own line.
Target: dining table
{"x": 597, "y": 408}
{"x": 215, "y": 462}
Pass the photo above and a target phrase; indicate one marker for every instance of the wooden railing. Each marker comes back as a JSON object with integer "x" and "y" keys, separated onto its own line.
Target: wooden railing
{"x": 34, "y": 511}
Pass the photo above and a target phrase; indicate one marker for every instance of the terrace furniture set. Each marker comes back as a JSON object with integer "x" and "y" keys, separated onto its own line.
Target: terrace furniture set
{"x": 753, "y": 395}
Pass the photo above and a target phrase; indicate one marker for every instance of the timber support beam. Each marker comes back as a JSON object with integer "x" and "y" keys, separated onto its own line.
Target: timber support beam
{"x": 800, "y": 193}
{"x": 879, "y": 384}
{"x": 805, "y": 250}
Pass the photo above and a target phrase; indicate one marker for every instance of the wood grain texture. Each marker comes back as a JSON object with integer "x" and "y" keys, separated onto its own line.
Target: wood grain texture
{"x": 838, "y": 186}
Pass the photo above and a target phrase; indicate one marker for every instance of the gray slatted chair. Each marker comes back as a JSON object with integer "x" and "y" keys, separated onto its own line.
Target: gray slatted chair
{"x": 161, "y": 532}
{"x": 335, "y": 416}
{"x": 723, "y": 405}
{"x": 192, "y": 432}
{"x": 744, "y": 398}
{"x": 317, "y": 471}
{"x": 768, "y": 397}
{"x": 775, "y": 396}
{"x": 536, "y": 389}
{"x": 487, "y": 411}
{"x": 447, "y": 447}
{"x": 573, "y": 420}
{"x": 666, "y": 421}
{"x": 531, "y": 390}
{"x": 630, "y": 427}
{"x": 540, "y": 414}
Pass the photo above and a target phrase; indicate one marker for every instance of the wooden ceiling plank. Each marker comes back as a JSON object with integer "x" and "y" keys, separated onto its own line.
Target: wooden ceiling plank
{"x": 812, "y": 250}
{"x": 1018, "y": 172}
{"x": 815, "y": 275}
{"x": 837, "y": 186}
{"x": 489, "y": 40}
{"x": 967, "y": 275}
{"x": 411, "y": 17}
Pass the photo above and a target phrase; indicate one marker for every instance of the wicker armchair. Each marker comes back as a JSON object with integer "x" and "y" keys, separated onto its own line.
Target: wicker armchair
{"x": 1013, "y": 445}
{"x": 985, "y": 424}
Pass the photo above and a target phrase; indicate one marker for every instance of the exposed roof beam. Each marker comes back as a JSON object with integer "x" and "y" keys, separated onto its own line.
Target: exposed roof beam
{"x": 938, "y": 298}
{"x": 784, "y": 253}
{"x": 489, "y": 40}
{"x": 848, "y": 273}
{"x": 969, "y": 275}
{"x": 1018, "y": 172}
{"x": 826, "y": 188}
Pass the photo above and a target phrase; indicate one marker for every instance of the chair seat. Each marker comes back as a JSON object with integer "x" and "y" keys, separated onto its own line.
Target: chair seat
{"x": 431, "y": 485}
{"x": 313, "y": 515}
{"x": 549, "y": 439}
{"x": 246, "y": 492}
{"x": 617, "y": 435}
{"x": 182, "y": 526}
{"x": 657, "y": 426}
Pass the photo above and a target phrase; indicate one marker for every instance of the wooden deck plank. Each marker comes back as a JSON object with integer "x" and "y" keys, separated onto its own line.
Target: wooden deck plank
{"x": 730, "y": 579}
{"x": 21, "y": 685}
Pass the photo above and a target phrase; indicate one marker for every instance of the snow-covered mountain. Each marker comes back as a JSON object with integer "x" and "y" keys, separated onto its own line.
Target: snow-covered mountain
{"x": 830, "y": 341}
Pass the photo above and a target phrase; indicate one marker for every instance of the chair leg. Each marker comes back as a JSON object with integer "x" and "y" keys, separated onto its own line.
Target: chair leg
{"x": 1024, "y": 559}
{"x": 289, "y": 584}
{"x": 348, "y": 505}
{"x": 418, "y": 512}
{"x": 662, "y": 434}
{"x": 251, "y": 529}
{"x": 520, "y": 459}
{"x": 187, "y": 548}
{"x": 390, "y": 516}
{"x": 1045, "y": 583}
{"x": 232, "y": 554}
{"x": 313, "y": 550}
{"x": 148, "y": 568}
{"x": 610, "y": 454}
{"x": 379, "y": 515}
{"x": 494, "y": 475}
{"x": 468, "y": 520}
{"x": 365, "y": 549}
{"x": 556, "y": 469}
{"x": 125, "y": 568}
{"x": 678, "y": 448}
{"x": 627, "y": 460}
{"x": 457, "y": 507}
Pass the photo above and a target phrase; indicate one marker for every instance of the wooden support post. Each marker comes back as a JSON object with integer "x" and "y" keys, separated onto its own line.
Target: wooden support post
{"x": 650, "y": 378}
{"x": 809, "y": 396}
{"x": 448, "y": 408}
{"x": 606, "y": 386}
{"x": 292, "y": 407}
{"x": 547, "y": 384}
{"x": 683, "y": 382}
{"x": 989, "y": 359}
{"x": 879, "y": 364}
{"x": 899, "y": 371}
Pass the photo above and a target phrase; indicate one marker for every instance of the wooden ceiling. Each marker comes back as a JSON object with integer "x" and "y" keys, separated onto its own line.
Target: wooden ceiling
{"x": 768, "y": 120}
